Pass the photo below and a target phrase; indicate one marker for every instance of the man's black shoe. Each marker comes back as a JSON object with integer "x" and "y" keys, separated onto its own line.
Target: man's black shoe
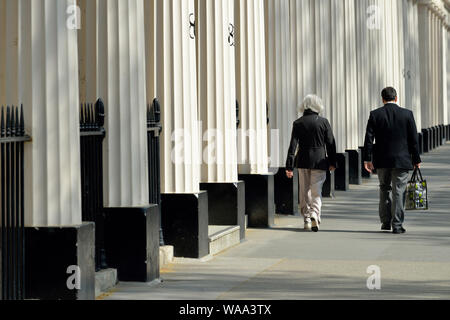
{"x": 399, "y": 231}
{"x": 386, "y": 227}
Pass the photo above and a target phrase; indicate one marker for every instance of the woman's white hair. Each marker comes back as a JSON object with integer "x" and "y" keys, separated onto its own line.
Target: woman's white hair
{"x": 313, "y": 103}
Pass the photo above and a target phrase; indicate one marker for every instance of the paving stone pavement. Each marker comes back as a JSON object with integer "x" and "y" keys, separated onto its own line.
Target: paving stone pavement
{"x": 287, "y": 263}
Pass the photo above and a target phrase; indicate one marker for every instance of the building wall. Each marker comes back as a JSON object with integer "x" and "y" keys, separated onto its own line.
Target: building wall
{"x": 129, "y": 52}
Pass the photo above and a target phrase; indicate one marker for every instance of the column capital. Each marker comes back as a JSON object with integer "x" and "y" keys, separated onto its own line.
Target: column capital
{"x": 439, "y": 7}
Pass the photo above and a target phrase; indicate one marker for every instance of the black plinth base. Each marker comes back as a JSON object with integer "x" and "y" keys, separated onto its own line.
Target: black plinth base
{"x": 435, "y": 138}
{"x": 342, "y": 176}
{"x": 132, "y": 242}
{"x": 443, "y": 135}
{"x": 426, "y": 140}
{"x": 185, "y": 223}
{"x": 364, "y": 173}
{"x": 286, "y": 193}
{"x": 447, "y": 132}
{"x": 259, "y": 199}
{"x": 226, "y": 204}
{"x": 420, "y": 140}
{"x": 60, "y": 263}
{"x": 354, "y": 166}
{"x": 329, "y": 186}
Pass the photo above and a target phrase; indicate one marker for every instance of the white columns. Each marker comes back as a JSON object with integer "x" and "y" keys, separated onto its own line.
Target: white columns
{"x": 412, "y": 60}
{"x": 432, "y": 36}
{"x": 40, "y": 69}
{"x": 338, "y": 94}
{"x": 351, "y": 92}
{"x": 365, "y": 65}
{"x": 121, "y": 83}
{"x": 251, "y": 86}
{"x": 173, "y": 80}
{"x": 87, "y": 51}
{"x": 217, "y": 89}
{"x": 302, "y": 50}
{"x": 281, "y": 94}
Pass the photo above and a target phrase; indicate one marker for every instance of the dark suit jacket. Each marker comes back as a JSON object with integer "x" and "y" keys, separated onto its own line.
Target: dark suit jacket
{"x": 395, "y": 133}
{"x": 313, "y": 137}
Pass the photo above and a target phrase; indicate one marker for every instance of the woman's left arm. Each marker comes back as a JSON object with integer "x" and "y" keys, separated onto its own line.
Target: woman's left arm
{"x": 290, "y": 162}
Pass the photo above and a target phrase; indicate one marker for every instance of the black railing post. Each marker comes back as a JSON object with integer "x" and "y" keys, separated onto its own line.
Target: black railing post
{"x": 12, "y": 139}
{"x": 92, "y": 119}
{"x": 154, "y": 129}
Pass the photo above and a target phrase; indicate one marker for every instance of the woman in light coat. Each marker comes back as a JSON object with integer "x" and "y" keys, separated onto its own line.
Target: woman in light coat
{"x": 312, "y": 152}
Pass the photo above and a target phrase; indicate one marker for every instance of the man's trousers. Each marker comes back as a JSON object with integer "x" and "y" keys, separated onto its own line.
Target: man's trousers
{"x": 393, "y": 183}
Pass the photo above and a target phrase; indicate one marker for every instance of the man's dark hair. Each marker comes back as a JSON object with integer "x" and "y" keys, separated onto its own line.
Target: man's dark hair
{"x": 389, "y": 94}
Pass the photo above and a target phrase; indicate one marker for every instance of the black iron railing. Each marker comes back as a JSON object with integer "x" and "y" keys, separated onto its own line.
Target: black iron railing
{"x": 154, "y": 129}
{"x": 92, "y": 118}
{"x": 12, "y": 141}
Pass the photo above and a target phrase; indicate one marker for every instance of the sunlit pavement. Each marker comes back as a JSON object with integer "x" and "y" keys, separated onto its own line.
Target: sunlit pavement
{"x": 288, "y": 263}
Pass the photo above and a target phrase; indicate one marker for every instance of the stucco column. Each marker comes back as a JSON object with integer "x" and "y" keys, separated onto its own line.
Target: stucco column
{"x": 216, "y": 45}
{"x": 251, "y": 86}
{"x": 217, "y": 89}
{"x": 302, "y": 55}
{"x": 351, "y": 93}
{"x": 282, "y": 99}
{"x": 251, "y": 94}
{"x": 338, "y": 118}
{"x": 121, "y": 82}
{"x": 172, "y": 79}
{"x": 39, "y": 69}
{"x": 171, "y": 32}
{"x": 42, "y": 73}
{"x": 412, "y": 60}
{"x": 113, "y": 68}
{"x": 280, "y": 91}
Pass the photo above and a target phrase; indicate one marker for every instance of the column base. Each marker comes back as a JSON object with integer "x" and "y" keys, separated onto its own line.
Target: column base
{"x": 226, "y": 204}
{"x": 420, "y": 140}
{"x": 354, "y": 166}
{"x": 342, "y": 177}
{"x": 259, "y": 199}
{"x": 426, "y": 140}
{"x": 132, "y": 242}
{"x": 185, "y": 223}
{"x": 448, "y": 132}
{"x": 49, "y": 252}
{"x": 443, "y": 136}
{"x": 329, "y": 185}
{"x": 286, "y": 193}
{"x": 434, "y": 137}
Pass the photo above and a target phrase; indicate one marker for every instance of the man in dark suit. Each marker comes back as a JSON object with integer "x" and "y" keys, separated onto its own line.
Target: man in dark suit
{"x": 395, "y": 153}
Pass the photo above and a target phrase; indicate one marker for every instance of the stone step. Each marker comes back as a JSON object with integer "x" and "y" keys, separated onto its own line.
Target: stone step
{"x": 222, "y": 238}
{"x": 105, "y": 280}
{"x": 165, "y": 256}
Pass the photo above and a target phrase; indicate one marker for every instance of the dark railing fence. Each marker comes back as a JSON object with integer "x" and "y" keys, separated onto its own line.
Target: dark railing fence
{"x": 238, "y": 114}
{"x": 154, "y": 129}
{"x": 92, "y": 132}
{"x": 12, "y": 141}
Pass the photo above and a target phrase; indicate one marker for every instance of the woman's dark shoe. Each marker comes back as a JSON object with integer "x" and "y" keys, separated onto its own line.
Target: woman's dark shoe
{"x": 386, "y": 227}
{"x": 315, "y": 225}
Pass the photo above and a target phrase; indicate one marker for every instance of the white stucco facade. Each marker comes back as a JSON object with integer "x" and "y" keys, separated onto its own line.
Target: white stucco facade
{"x": 198, "y": 57}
